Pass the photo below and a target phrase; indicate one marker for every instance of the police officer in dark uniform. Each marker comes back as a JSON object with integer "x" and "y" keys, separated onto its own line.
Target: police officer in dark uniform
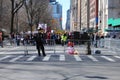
{"x": 39, "y": 44}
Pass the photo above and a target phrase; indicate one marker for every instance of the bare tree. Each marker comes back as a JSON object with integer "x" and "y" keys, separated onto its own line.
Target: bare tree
{"x": 1, "y": 11}
{"x": 1, "y": 8}
{"x": 37, "y": 12}
{"x": 5, "y": 15}
{"x": 15, "y": 6}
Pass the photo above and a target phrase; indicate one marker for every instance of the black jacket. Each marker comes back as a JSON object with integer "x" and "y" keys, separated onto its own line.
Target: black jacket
{"x": 38, "y": 40}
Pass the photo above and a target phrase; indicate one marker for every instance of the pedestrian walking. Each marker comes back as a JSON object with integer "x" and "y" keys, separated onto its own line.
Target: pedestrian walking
{"x": 39, "y": 44}
{"x": 18, "y": 37}
{"x": 96, "y": 40}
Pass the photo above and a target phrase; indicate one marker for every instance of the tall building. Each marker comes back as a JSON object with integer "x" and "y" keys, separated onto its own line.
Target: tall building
{"x": 79, "y": 15}
{"x": 68, "y": 20}
{"x": 109, "y": 17}
{"x": 84, "y": 14}
{"x": 73, "y": 15}
{"x": 94, "y": 13}
{"x": 57, "y": 13}
{"x": 101, "y": 15}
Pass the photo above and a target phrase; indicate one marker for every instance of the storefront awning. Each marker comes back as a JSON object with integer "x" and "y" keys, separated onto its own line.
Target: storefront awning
{"x": 110, "y": 21}
{"x": 112, "y": 30}
{"x": 116, "y": 22}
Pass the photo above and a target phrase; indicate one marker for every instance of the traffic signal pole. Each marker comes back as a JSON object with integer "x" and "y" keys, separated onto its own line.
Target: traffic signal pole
{"x": 88, "y": 24}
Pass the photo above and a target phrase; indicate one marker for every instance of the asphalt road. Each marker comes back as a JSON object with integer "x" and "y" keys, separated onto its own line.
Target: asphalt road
{"x": 59, "y": 71}
{"x": 14, "y": 65}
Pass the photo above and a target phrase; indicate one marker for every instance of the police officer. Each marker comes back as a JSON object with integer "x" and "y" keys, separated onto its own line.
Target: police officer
{"x": 39, "y": 44}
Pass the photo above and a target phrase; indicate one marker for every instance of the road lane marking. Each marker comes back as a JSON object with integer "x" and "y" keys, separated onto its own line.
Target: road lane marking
{"x": 8, "y": 50}
{"x": 107, "y": 58}
{"x": 77, "y": 58}
{"x": 46, "y": 58}
{"x": 92, "y": 58}
{"x": 15, "y": 59}
{"x": 62, "y": 57}
{"x": 117, "y": 57}
{"x": 31, "y": 58}
{"x": 4, "y": 57}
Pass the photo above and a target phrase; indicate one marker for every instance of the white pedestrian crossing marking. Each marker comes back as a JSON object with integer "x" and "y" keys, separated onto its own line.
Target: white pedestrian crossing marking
{"x": 4, "y": 57}
{"x": 31, "y": 58}
{"x": 92, "y": 58}
{"x": 117, "y": 57}
{"x": 62, "y": 57}
{"x": 46, "y": 58}
{"x": 14, "y": 59}
{"x": 77, "y": 58}
{"x": 107, "y": 58}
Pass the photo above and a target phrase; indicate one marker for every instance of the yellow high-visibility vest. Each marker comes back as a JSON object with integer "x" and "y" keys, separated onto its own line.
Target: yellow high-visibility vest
{"x": 63, "y": 38}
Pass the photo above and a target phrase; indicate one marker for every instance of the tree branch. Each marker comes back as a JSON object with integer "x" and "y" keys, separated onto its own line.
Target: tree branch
{"x": 19, "y": 5}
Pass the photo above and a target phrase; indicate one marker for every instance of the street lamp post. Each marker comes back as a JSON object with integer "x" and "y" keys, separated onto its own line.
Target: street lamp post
{"x": 88, "y": 48}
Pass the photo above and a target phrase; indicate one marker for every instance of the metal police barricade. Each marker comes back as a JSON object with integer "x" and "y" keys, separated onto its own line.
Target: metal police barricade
{"x": 25, "y": 47}
{"x": 29, "y": 45}
{"x": 50, "y": 45}
{"x": 112, "y": 44}
{"x": 79, "y": 46}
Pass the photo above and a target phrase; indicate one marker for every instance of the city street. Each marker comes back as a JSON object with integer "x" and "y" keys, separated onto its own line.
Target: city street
{"x": 59, "y": 39}
{"x": 59, "y": 71}
{"x": 57, "y": 66}
{"x": 56, "y": 53}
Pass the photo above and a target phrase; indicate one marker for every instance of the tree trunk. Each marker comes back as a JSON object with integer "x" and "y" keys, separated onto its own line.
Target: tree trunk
{"x": 12, "y": 16}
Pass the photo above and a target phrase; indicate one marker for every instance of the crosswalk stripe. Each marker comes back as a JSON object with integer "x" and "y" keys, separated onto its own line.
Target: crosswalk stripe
{"x": 31, "y": 58}
{"x": 46, "y": 58}
{"x": 62, "y": 57}
{"x": 14, "y": 59}
{"x": 4, "y": 57}
{"x": 117, "y": 57}
{"x": 93, "y": 58}
{"x": 107, "y": 58}
{"x": 77, "y": 58}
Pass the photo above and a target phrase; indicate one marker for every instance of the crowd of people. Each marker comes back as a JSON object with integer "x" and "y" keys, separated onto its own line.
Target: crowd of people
{"x": 58, "y": 38}
{"x": 41, "y": 38}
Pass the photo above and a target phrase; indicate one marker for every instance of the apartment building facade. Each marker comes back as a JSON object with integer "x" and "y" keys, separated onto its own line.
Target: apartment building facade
{"x": 73, "y": 15}
{"x": 79, "y": 15}
{"x": 101, "y": 15}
